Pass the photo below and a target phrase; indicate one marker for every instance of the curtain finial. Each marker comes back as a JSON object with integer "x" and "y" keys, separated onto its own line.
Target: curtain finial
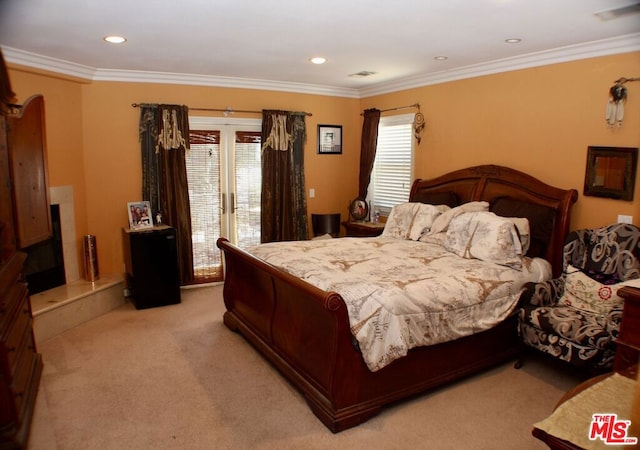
{"x": 418, "y": 126}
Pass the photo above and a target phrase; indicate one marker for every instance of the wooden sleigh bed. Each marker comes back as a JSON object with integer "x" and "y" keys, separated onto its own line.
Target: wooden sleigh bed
{"x": 305, "y": 333}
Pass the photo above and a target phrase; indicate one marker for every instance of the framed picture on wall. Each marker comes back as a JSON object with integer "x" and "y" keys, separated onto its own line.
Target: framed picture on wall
{"x": 139, "y": 215}
{"x": 329, "y": 139}
{"x": 611, "y": 172}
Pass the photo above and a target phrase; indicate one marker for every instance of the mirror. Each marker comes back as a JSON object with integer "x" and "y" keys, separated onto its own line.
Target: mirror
{"x": 611, "y": 172}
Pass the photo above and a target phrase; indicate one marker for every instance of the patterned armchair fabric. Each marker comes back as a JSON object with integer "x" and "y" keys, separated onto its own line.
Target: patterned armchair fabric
{"x": 582, "y": 333}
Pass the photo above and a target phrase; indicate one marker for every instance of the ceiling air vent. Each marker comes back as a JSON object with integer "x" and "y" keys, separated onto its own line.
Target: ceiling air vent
{"x": 362, "y": 74}
{"x": 611, "y": 14}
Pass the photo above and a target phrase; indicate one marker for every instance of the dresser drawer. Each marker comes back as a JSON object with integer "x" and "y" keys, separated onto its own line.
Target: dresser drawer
{"x": 628, "y": 342}
{"x": 15, "y": 336}
{"x": 630, "y": 328}
{"x": 626, "y": 361}
{"x": 10, "y": 300}
{"x": 10, "y": 275}
{"x": 20, "y": 340}
{"x": 26, "y": 381}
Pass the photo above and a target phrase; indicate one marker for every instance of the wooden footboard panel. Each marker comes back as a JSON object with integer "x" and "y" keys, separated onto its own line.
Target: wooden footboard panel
{"x": 304, "y": 332}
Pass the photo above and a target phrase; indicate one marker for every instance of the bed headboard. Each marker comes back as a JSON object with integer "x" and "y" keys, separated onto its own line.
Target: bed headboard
{"x": 510, "y": 193}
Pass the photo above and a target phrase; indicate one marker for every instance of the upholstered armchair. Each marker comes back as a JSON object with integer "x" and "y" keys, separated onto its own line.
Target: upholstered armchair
{"x": 577, "y": 316}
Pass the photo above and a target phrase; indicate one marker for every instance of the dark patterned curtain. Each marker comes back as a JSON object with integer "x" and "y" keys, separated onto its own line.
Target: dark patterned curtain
{"x": 284, "y": 203}
{"x": 148, "y": 136}
{"x": 368, "y": 149}
{"x": 164, "y": 137}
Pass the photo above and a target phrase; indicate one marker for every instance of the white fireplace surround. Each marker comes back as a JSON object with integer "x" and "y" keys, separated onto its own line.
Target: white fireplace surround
{"x": 79, "y": 300}
{"x": 63, "y": 196}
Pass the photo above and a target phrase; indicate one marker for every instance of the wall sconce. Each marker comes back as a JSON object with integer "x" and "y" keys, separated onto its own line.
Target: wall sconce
{"x": 615, "y": 105}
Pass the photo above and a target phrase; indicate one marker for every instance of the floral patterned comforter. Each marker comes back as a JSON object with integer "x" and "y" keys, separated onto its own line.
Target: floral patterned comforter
{"x": 402, "y": 294}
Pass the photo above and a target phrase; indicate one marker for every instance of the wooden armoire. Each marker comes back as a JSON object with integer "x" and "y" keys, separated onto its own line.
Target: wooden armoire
{"x": 24, "y": 220}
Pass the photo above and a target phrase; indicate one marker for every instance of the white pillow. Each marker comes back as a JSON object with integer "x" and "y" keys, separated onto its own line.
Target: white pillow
{"x": 424, "y": 218}
{"x": 484, "y": 235}
{"x": 399, "y": 221}
{"x": 583, "y": 292}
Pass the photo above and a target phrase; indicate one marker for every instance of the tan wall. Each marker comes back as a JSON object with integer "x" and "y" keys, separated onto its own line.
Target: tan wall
{"x": 538, "y": 120}
{"x": 103, "y": 126}
{"x": 64, "y": 133}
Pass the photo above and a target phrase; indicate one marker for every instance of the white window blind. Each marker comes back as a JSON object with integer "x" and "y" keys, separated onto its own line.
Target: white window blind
{"x": 392, "y": 173}
{"x": 248, "y": 176}
{"x": 203, "y": 169}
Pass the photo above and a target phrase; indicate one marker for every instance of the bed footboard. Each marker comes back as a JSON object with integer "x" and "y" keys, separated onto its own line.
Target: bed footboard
{"x": 304, "y": 332}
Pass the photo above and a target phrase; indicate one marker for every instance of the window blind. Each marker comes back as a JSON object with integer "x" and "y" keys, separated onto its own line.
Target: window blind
{"x": 391, "y": 177}
{"x": 248, "y": 176}
{"x": 203, "y": 178}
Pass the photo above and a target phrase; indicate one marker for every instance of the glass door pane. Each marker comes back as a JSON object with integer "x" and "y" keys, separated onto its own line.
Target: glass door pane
{"x": 248, "y": 180}
{"x": 203, "y": 177}
{"x": 224, "y": 176}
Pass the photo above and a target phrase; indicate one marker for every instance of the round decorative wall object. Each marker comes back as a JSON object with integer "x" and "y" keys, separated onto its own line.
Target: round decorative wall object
{"x": 359, "y": 209}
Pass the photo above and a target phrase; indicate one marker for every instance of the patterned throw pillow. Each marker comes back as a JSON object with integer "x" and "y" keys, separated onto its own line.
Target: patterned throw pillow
{"x": 485, "y": 236}
{"x": 399, "y": 221}
{"x": 442, "y": 221}
{"x": 524, "y": 233}
{"x": 424, "y": 218}
{"x": 587, "y": 294}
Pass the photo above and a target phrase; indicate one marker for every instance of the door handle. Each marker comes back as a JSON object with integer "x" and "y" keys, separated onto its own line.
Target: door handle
{"x": 223, "y": 203}
{"x": 233, "y": 202}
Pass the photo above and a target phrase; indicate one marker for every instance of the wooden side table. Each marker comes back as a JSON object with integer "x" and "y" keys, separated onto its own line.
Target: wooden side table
{"x": 628, "y": 343}
{"x": 363, "y": 229}
{"x": 554, "y": 442}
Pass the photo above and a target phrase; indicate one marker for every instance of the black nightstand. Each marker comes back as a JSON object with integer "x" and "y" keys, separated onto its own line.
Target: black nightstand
{"x": 151, "y": 264}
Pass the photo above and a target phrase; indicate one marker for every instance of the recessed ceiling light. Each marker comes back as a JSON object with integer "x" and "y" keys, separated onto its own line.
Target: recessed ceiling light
{"x": 115, "y": 39}
{"x": 318, "y": 60}
{"x": 513, "y": 40}
{"x": 440, "y": 58}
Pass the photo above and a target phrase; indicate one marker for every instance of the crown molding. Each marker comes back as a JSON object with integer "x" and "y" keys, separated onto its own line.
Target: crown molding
{"x": 46, "y": 63}
{"x": 58, "y": 66}
{"x": 621, "y": 44}
{"x": 217, "y": 81}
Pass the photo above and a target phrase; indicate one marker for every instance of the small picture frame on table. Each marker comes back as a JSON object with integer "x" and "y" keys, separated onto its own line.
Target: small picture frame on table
{"x": 139, "y": 215}
{"x": 329, "y": 139}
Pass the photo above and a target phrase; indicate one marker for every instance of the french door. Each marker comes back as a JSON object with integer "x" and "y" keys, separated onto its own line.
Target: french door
{"x": 224, "y": 177}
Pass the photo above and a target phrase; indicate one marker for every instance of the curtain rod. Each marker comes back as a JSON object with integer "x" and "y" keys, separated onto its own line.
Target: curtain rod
{"x": 624, "y": 80}
{"x": 225, "y": 111}
{"x": 415, "y": 105}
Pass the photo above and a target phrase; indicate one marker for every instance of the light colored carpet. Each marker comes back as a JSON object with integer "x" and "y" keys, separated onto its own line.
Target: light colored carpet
{"x": 176, "y": 377}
